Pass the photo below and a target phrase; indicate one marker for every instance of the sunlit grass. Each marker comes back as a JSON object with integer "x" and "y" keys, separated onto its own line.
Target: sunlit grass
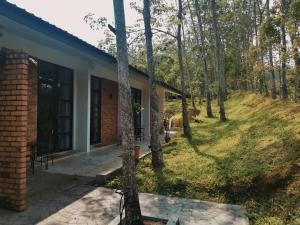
{"x": 252, "y": 159}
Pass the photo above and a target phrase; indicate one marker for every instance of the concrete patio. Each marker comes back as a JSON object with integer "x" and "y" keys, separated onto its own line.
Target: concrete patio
{"x": 190, "y": 212}
{"x": 100, "y": 163}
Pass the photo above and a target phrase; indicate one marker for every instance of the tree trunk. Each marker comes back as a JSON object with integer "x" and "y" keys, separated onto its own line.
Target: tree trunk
{"x": 131, "y": 198}
{"x": 260, "y": 83}
{"x": 202, "y": 53}
{"x": 283, "y": 50}
{"x": 188, "y": 67}
{"x": 263, "y": 88}
{"x": 297, "y": 80}
{"x": 185, "y": 117}
{"x": 157, "y": 154}
{"x": 296, "y": 58}
{"x": 279, "y": 73}
{"x": 272, "y": 72}
{"x": 218, "y": 59}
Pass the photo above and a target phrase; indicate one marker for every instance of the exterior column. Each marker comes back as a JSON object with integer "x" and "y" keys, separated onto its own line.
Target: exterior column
{"x": 32, "y": 104}
{"x": 13, "y": 128}
{"x": 82, "y": 119}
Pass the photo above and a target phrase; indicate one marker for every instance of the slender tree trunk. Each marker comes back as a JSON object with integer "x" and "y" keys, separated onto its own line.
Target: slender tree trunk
{"x": 256, "y": 44}
{"x": 157, "y": 154}
{"x": 202, "y": 53}
{"x": 278, "y": 67}
{"x": 237, "y": 74}
{"x": 218, "y": 59}
{"x": 296, "y": 58}
{"x": 297, "y": 80}
{"x": 263, "y": 88}
{"x": 131, "y": 198}
{"x": 188, "y": 67}
{"x": 270, "y": 51}
{"x": 283, "y": 52}
{"x": 185, "y": 117}
{"x": 272, "y": 72}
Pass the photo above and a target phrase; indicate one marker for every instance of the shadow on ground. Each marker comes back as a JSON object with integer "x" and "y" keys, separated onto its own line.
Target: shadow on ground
{"x": 47, "y": 193}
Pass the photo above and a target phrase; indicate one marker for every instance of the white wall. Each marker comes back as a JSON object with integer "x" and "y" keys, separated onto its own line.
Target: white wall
{"x": 82, "y": 110}
{"x": 16, "y": 36}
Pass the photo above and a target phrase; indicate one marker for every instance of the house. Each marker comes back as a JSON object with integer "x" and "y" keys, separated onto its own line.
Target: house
{"x": 59, "y": 92}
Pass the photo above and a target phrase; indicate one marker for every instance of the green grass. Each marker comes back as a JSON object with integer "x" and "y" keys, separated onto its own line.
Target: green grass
{"x": 253, "y": 159}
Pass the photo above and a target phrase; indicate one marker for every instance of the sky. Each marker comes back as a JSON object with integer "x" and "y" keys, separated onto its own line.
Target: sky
{"x": 69, "y": 14}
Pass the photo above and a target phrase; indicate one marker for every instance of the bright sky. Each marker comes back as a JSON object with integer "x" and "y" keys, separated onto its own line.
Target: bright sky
{"x": 69, "y": 14}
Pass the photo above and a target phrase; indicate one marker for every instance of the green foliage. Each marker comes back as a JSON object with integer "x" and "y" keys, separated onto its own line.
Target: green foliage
{"x": 246, "y": 33}
{"x": 253, "y": 160}
{"x": 294, "y": 11}
{"x": 270, "y": 31}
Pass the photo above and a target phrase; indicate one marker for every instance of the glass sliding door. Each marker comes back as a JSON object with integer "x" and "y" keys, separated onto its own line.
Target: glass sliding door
{"x": 95, "y": 123}
{"x": 65, "y": 108}
{"x": 55, "y": 108}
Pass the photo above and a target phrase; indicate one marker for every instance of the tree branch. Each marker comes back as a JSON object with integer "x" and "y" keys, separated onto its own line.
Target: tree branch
{"x": 112, "y": 29}
{"x": 165, "y": 32}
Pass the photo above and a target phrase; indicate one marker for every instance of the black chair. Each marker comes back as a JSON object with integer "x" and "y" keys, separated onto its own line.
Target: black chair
{"x": 32, "y": 155}
{"x": 42, "y": 157}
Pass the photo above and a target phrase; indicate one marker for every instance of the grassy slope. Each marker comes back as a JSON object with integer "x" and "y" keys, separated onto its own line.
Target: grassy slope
{"x": 253, "y": 159}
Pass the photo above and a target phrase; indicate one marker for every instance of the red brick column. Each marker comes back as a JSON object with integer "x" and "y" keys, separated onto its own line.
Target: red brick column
{"x": 32, "y": 103}
{"x": 109, "y": 112}
{"x": 13, "y": 128}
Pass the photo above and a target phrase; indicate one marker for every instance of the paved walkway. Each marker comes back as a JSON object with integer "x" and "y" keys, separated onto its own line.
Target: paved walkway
{"x": 55, "y": 199}
{"x": 47, "y": 194}
{"x": 99, "y": 207}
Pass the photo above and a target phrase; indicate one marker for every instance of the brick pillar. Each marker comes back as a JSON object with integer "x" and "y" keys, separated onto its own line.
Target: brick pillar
{"x": 13, "y": 128}
{"x": 109, "y": 112}
{"x": 32, "y": 104}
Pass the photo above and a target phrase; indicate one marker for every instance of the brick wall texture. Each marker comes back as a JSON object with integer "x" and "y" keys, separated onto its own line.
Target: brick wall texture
{"x": 109, "y": 112}
{"x": 32, "y": 103}
{"x": 13, "y": 128}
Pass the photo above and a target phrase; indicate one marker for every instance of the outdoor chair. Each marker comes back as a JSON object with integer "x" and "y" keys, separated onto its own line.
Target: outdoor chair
{"x": 41, "y": 157}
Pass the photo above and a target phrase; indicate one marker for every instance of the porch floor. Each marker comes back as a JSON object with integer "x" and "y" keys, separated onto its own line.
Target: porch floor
{"x": 99, "y": 161}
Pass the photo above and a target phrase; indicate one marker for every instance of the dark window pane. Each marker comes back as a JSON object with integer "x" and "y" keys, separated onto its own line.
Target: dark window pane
{"x": 47, "y": 71}
{"x": 64, "y": 108}
{"x": 65, "y": 92}
{"x": 95, "y": 84}
{"x": 65, "y": 75}
{"x": 64, "y": 125}
{"x": 95, "y": 100}
{"x": 64, "y": 142}
{"x": 95, "y": 120}
{"x": 55, "y": 100}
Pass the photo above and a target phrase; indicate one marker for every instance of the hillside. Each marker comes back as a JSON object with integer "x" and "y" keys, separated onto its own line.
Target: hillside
{"x": 253, "y": 159}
